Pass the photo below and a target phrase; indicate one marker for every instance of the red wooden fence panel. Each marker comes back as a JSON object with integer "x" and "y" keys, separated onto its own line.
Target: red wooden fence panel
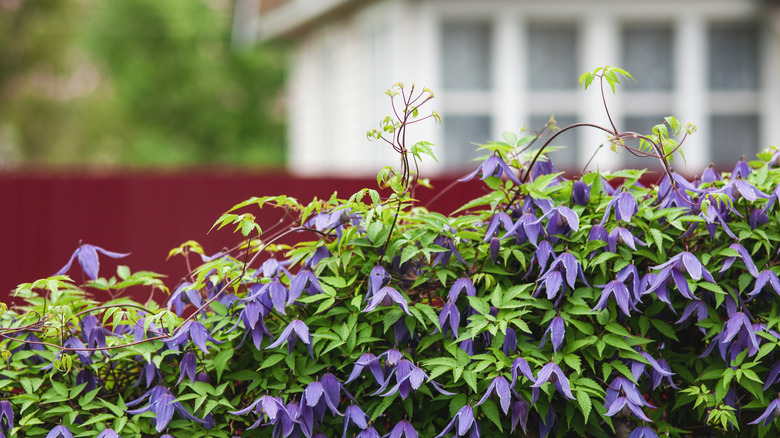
{"x": 44, "y": 216}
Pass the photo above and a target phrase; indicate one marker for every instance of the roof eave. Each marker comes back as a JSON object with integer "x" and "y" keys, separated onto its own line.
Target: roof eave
{"x": 295, "y": 16}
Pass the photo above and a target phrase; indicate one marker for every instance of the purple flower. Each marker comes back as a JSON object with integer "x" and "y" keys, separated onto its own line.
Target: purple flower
{"x": 520, "y": 415}
{"x": 757, "y": 218}
{"x": 510, "y": 342}
{"x": 499, "y": 386}
{"x": 108, "y": 433}
{"x": 542, "y": 254}
{"x": 402, "y": 429}
{"x": 266, "y": 406}
{"x": 465, "y": 421}
{"x": 772, "y": 411}
{"x": 149, "y": 372}
{"x": 771, "y": 378}
{"x": 562, "y": 221}
{"x": 744, "y": 255}
{"x": 623, "y": 396}
{"x": 526, "y": 229}
{"x": 92, "y": 332}
{"x": 548, "y": 423}
{"x": 552, "y": 280}
{"x": 292, "y": 421}
{"x": 326, "y": 392}
{"x": 355, "y": 415}
{"x": 183, "y": 295}
{"x": 88, "y": 259}
{"x": 368, "y": 432}
{"x": 386, "y": 296}
{"x": 580, "y": 193}
{"x": 674, "y": 267}
{"x": 6, "y": 416}
{"x": 552, "y": 373}
{"x": 408, "y": 377}
{"x": 741, "y": 169}
{"x": 449, "y": 312}
{"x": 625, "y": 207}
{"x": 59, "y": 432}
{"x": 495, "y": 246}
{"x": 370, "y": 361}
{"x": 162, "y": 403}
{"x": 305, "y": 280}
{"x": 740, "y": 323}
{"x": 557, "y": 331}
{"x": 520, "y": 364}
{"x": 188, "y": 367}
{"x": 619, "y": 291}
{"x": 493, "y": 166}
{"x": 763, "y": 278}
{"x": 459, "y": 286}
{"x": 642, "y": 432}
{"x": 252, "y": 316}
{"x": 739, "y": 187}
{"x": 295, "y": 330}
{"x": 622, "y": 235}
{"x": 194, "y": 331}
{"x": 443, "y": 258}
{"x": 695, "y": 306}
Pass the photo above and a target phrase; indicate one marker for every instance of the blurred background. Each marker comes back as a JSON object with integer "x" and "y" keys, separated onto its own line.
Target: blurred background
{"x": 133, "y": 124}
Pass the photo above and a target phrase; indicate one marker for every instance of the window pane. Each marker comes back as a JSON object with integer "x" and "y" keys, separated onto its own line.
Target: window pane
{"x": 552, "y": 56}
{"x": 732, "y": 137}
{"x": 566, "y": 157}
{"x": 642, "y": 125}
{"x": 733, "y": 53}
{"x": 460, "y": 134}
{"x": 647, "y": 55}
{"x": 467, "y": 56}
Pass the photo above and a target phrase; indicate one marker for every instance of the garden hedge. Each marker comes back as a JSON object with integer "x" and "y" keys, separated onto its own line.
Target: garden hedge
{"x": 550, "y": 306}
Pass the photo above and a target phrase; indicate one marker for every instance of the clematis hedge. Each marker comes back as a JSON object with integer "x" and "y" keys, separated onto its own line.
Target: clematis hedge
{"x": 550, "y": 306}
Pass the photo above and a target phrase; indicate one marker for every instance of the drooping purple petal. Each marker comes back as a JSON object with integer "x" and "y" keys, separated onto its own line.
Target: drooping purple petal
{"x": 59, "y": 432}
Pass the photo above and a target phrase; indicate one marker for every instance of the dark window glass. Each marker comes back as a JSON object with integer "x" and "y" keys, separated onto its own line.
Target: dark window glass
{"x": 732, "y": 137}
{"x": 552, "y": 57}
{"x": 466, "y": 56}
{"x": 460, "y": 134}
{"x": 647, "y": 55}
{"x": 733, "y": 57}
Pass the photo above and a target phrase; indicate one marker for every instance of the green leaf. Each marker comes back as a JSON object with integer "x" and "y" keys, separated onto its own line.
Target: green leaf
{"x": 574, "y": 362}
{"x": 666, "y": 329}
{"x": 489, "y": 408}
{"x": 221, "y": 360}
{"x": 479, "y": 304}
{"x": 585, "y": 404}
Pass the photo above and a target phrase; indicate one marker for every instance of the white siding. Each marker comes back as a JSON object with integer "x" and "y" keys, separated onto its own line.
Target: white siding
{"x": 342, "y": 66}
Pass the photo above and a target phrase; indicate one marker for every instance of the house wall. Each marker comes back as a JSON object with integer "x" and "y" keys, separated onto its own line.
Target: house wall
{"x": 342, "y": 65}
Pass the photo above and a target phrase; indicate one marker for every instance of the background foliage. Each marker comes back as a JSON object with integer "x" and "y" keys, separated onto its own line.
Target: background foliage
{"x": 592, "y": 306}
{"x": 135, "y": 82}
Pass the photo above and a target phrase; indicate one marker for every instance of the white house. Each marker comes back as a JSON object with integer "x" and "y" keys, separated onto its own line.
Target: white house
{"x": 498, "y": 65}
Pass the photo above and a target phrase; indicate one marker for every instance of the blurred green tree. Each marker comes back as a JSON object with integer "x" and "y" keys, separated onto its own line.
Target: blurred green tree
{"x": 135, "y": 82}
{"x": 32, "y": 113}
{"x": 187, "y": 95}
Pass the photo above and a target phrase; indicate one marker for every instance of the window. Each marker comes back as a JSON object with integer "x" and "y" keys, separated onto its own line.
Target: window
{"x": 733, "y": 136}
{"x": 466, "y": 70}
{"x": 466, "y": 56}
{"x": 460, "y": 134}
{"x": 733, "y": 57}
{"x": 553, "y": 52}
{"x": 647, "y": 54}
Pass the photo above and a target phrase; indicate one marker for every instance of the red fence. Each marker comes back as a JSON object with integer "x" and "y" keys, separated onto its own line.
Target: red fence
{"x": 43, "y": 217}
